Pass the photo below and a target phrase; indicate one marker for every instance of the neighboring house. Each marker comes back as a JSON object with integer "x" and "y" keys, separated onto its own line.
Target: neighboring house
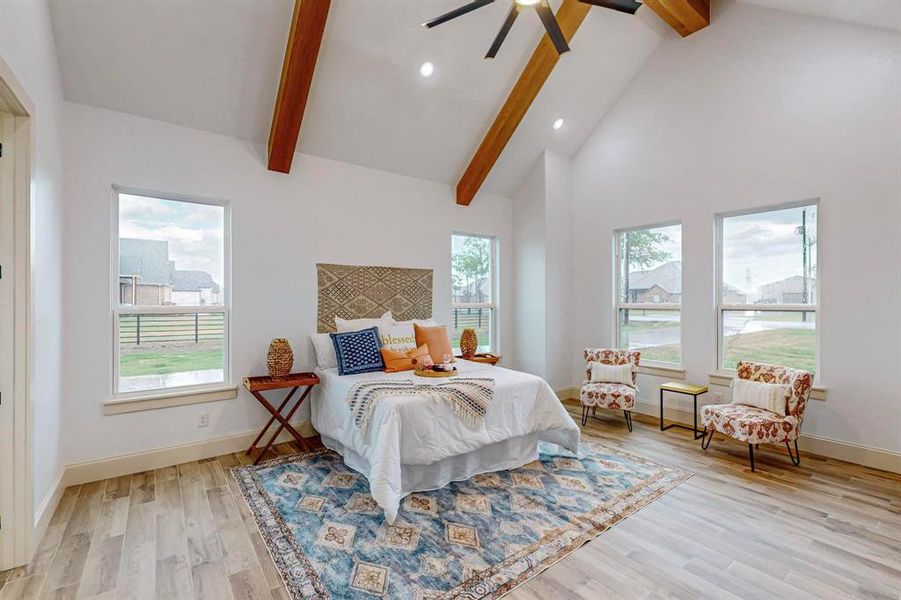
{"x": 194, "y": 288}
{"x": 474, "y": 292}
{"x": 661, "y": 284}
{"x": 144, "y": 272}
{"x": 787, "y": 291}
{"x": 733, "y": 295}
{"x": 148, "y": 278}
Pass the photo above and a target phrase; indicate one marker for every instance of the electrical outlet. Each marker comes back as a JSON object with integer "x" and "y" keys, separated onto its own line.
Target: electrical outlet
{"x": 204, "y": 419}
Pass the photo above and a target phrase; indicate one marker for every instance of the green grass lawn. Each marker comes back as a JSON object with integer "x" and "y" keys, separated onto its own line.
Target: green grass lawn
{"x": 165, "y": 361}
{"x": 668, "y": 353}
{"x": 793, "y": 348}
{"x": 788, "y": 347}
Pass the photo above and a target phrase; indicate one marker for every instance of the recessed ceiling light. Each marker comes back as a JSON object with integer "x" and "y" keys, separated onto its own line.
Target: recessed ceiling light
{"x": 426, "y": 69}
{"x": 557, "y": 124}
{"x": 527, "y": 2}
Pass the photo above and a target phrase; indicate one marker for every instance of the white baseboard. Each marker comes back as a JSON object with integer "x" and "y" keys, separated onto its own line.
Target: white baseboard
{"x": 876, "y": 458}
{"x": 117, "y": 466}
{"x": 44, "y": 512}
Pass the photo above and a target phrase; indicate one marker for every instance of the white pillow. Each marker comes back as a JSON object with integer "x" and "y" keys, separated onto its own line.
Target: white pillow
{"x": 768, "y": 396}
{"x": 348, "y": 325}
{"x": 398, "y": 337}
{"x": 420, "y": 322}
{"x": 601, "y": 373}
{"x": 325, "y": 351}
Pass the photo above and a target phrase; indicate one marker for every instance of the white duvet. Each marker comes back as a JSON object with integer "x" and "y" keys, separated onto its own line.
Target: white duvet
{"x": 414, "y": 431}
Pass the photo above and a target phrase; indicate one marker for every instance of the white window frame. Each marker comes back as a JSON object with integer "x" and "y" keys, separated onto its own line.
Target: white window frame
{"x": 619, "y": 305}
{"x": 191, "y": 393}
{"x": 492, "y": 278}
{"x": 722, "y": 308}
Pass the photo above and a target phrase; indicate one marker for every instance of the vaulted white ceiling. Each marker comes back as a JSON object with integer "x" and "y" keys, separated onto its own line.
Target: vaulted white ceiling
{"x": 215, "y": 66}
{"x": 884, "y": 14}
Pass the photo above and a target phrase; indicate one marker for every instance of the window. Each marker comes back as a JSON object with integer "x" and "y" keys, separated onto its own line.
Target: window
{"x": 473, "y": 289}
{"x": 649, "y": 292}
{"x": 768, "y": 287}
{"x": 170, "y": 294}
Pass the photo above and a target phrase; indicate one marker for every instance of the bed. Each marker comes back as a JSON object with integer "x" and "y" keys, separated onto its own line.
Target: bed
{"x": 416, "y": 443}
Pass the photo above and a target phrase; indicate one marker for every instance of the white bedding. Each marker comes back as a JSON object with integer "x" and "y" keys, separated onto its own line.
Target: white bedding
{"x": 418, "y": 442}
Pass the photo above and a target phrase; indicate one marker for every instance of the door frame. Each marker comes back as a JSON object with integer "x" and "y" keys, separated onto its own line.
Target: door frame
{"x": 21, "y": 526}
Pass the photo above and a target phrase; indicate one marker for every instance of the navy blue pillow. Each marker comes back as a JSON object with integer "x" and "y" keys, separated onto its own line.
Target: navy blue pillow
{"x": 358, "y": 351}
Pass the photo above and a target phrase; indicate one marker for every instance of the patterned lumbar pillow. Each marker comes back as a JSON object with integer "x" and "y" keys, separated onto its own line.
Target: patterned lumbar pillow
{"x": 358, "y": 351}
{"x": 601, "y": 373}
{"x": 398, "y": 337}
{"x": 768, "y": 396}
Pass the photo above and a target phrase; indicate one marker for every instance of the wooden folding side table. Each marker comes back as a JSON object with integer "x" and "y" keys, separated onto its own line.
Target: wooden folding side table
{"x": 683, "y": 388}
{"x": 294, "y": 381}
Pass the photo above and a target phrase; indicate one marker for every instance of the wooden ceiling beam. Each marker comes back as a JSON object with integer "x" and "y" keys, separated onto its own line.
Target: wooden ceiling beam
{"x": 524, "y": 92}
{"x": 685, "y": 16}
{"x": 304, "y": 40}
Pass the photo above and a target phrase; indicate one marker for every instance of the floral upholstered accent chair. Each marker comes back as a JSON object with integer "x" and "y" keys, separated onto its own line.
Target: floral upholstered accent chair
{"x": 756, "y": 425}
{"x": 615, "y": 396}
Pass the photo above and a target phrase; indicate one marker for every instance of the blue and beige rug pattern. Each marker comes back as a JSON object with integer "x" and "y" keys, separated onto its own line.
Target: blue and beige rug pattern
{"x": 472, "y": 539}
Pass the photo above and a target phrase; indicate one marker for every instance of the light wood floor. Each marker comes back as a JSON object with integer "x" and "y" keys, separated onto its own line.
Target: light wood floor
{"x": 825, "y": 529}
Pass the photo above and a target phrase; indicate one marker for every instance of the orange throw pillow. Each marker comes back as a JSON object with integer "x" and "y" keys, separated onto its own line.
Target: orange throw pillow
{"x": 437, "y": 341}
{"x": 398, "y": 360}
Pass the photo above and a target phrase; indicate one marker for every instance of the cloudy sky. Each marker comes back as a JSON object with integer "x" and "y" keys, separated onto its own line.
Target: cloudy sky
{"x": 194, "y": 231}
{"x": 758, "y": 248}
{"x": 766, "y": 247}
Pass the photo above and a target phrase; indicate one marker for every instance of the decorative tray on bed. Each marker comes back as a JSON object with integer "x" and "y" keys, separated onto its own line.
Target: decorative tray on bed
{"x": 433, "y": 372}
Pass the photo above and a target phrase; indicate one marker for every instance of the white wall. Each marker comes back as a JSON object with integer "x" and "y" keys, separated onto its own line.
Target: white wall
{"x": 325, "y": 211}
{"x": 529, "y": 259}
{"x": 558, "y": 269}
{"x": 763, "y": 107}
{"x": 26, "y": 45}
{"x": 542, "y": 247}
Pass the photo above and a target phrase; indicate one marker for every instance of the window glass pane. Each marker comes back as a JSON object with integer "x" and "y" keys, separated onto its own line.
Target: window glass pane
{"x": 170, "y": 350}
{"x": 471, "y": 269}
{"x": 170, "y": 252}
{"x": 651, "y": 270}
{"x": 770, "y": 257}
{"x": 480, "y": 319}
{"x": 654, "y": 333}
{"x": 779, "y": 338}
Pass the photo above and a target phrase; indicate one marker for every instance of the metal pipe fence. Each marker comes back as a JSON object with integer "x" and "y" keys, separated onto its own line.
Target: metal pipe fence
{"x": 171, "y": 328}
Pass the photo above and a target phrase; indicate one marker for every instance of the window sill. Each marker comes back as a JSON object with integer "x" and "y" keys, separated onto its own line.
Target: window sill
{"x": 724, "y": 378}
{"x": 658, "y": 370}
{"x": 157, "y": 400}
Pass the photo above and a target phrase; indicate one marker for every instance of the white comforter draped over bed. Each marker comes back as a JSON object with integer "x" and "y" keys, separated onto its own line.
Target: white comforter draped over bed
{"x": 417, "y": 431}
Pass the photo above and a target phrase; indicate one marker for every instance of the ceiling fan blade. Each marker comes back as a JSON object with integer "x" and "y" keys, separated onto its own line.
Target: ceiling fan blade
{"x": 505, "y": 29}
{"x": 457, "y": 12}
{"x": 624, "y": 6}
{"x": 553, "y": 29}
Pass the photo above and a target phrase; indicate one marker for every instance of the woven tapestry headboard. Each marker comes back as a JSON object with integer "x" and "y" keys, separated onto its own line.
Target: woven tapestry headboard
{"x": 354, "y": 292}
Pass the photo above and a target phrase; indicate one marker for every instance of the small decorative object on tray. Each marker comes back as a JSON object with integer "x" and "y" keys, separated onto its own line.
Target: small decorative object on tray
{"x": 445, "y": 369}
{"x": 469, "y": 343}
{"x": 280, "y": 358}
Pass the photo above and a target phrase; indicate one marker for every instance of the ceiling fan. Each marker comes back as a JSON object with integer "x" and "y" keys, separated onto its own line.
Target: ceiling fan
{"x": 544, "y": 13}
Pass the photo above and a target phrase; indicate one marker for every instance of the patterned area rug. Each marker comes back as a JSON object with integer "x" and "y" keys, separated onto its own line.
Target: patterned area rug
{"x": 473, "y": 539}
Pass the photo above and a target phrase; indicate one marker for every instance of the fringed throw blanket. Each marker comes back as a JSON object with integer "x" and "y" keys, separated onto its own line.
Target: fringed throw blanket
{"x": 470, "y": 397}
